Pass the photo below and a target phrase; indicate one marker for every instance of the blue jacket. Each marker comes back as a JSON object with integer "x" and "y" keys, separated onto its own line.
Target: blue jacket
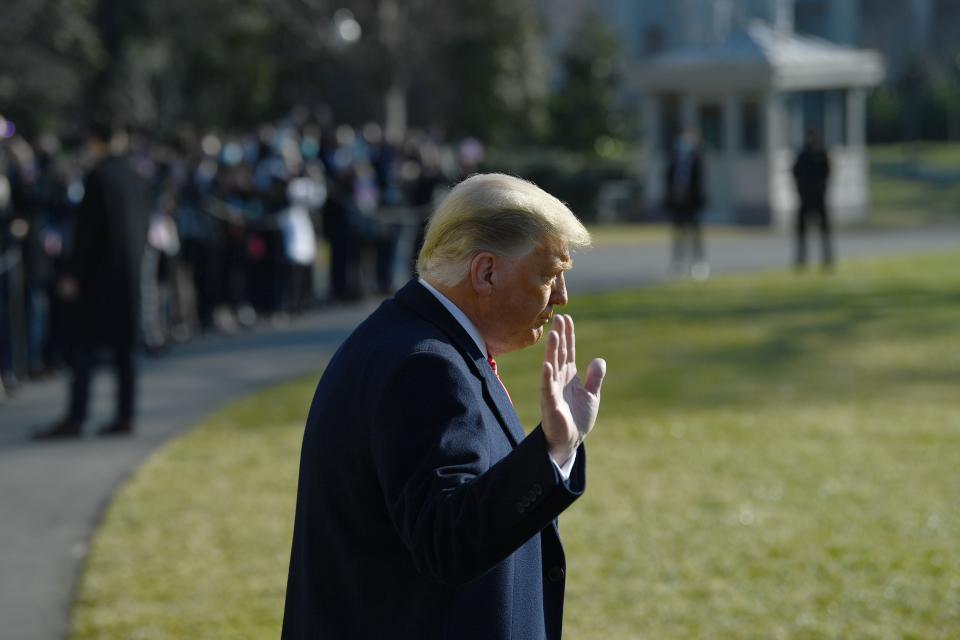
{"x": 423, "y": 511}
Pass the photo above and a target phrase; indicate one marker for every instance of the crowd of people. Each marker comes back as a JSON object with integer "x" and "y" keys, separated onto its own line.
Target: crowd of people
{"x": 243, "y": 227}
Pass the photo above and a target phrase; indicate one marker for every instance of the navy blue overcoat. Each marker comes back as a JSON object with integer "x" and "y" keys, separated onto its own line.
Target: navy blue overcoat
{"x": 423, "y": 510}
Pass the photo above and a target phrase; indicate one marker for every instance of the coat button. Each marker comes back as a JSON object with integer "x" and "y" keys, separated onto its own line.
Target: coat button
{"x": 555, "y": 574}
{"x": 521, "y": 507}
{"x": 537, "y": 489}
{"x": 531, "y": 496}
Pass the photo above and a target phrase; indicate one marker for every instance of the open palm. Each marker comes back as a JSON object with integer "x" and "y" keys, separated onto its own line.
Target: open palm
{"x": 568, "y": 409}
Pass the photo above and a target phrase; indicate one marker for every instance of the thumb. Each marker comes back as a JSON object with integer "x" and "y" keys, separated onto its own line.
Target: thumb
{"x": 596, "y": 370}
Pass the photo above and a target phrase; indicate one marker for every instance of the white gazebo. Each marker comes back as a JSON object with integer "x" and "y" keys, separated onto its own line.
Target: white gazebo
{"x": 752, "y": 97}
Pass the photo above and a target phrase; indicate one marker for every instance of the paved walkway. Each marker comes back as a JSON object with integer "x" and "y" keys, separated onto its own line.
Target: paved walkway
{"x": 53, "y": 495}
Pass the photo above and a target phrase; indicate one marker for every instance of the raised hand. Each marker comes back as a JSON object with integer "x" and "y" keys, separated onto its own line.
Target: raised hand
{"x": 568, "y": 409}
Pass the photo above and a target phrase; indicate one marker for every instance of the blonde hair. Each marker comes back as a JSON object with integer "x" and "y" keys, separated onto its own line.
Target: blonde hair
{"x": 498, "y": 213}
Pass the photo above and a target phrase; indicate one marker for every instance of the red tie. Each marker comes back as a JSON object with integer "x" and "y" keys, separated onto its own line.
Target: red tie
{"x": 493, "y": 365}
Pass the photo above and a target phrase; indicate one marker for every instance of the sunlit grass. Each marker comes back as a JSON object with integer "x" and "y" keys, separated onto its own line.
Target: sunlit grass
{"x": 776, "y": 457}
{"x": 610, "y": 235}
{"x": 197, "y": 543}
{"x": 914, "y": 184}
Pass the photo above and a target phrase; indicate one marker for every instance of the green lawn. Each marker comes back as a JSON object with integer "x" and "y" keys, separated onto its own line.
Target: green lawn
{"x": 776, "y": 457}
{"x": 641, "y": 235}
{"x": 914, "y": 184}
{"x": 940, "y": 155}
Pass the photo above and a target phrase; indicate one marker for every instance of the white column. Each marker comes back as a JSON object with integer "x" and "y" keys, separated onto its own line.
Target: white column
{"x": 778, "y": 158}
{"x": 857, "y": 182}
{"x": 775, "y": 121}
{"x": 856, "y": 117}
{"x": 783, "y": 12}
{"x": 729, "y": 200}
{"x": 921, "y": 13}
{"x": 652, "y": 123}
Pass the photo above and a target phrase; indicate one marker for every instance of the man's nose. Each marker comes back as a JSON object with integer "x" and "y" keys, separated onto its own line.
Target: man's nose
{"x": 558, "y": 296}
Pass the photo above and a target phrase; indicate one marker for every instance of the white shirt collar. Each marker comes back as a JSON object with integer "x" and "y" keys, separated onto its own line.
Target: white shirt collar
{"x": 460, "y": 316}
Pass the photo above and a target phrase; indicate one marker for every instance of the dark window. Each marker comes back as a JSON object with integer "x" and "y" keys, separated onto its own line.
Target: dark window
{"x": 654, "y": 41}
{"x": 814, "y": 110}
{"x": 711, "y": 126}
{"x": 670, "y": 121}
{"x": 823, "y": 111}
{"x": 750, "y": 126}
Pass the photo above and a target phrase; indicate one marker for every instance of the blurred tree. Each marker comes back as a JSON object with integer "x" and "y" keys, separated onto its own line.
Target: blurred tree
{"x": 884, "y": 116}
{"x": 585, "y": 108}
{"x": 320, "y": 58}
{"x": 208, "y": 63}
{"x": 492, "y": 79}
{"x": 921, "y": 102}
{"x": 944, "y": 99}
{"x": 49, "y": 50}
{"x": 230, "y": 72}
{"x": 954, "y": 102}
{"x": 360, "y": 56}
{"x": 473, "y": 67}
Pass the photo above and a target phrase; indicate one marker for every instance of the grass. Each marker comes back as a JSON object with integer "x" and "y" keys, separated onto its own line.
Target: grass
{"x": 914, "y": 184}
{"x": 939, "y": 155}
{"x": 196, "y": 544}
{"x": 642, "y": 235}
{"x": 776, "y": 457}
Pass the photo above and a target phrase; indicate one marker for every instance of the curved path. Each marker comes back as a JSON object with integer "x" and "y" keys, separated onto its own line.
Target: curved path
{"x": 53, "y": 495}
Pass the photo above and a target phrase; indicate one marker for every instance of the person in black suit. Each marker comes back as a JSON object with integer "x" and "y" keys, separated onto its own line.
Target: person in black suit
{"x": 102, "y": 281}
{"x": 811, "y": 171}
{"x": 684, "y": 201}
{"x": 423, "y": 509}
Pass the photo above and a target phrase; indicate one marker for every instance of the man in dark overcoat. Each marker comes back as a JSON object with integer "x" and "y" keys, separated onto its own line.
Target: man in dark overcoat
{"x": 424, "y": 510}
{"x": 811, "y": 172}
{"x": 102, "y": 281}
{"x": 684, "y": 201}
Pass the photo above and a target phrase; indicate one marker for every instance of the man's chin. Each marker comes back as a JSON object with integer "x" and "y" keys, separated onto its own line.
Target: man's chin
{"x": 518, "y": 343}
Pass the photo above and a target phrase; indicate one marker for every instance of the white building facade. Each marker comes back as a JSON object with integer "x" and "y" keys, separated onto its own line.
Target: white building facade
{"x": 752, "y": 97}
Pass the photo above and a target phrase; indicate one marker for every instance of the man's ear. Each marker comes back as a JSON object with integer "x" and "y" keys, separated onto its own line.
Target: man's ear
{"x": 481, "y": 272}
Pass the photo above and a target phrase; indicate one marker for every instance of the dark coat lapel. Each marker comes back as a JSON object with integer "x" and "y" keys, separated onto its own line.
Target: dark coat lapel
{"x": 415, "y": 297}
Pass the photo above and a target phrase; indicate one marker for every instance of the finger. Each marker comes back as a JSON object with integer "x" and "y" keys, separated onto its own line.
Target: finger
{"x": 559, "y": 325}
{"x": 553, "y": 344}
{"x": 546, "y": 382}
{"x": 571, "y": 342}
{"x": 595, "y": 374}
